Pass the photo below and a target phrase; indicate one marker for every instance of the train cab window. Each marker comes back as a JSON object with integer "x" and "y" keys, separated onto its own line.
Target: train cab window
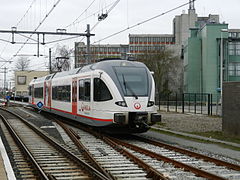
{"x": 85, "y": 90}
{"x": 101, "y": 91}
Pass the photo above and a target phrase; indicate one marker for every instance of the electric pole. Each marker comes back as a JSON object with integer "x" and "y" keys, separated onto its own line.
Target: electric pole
{"x": 50, "y": 61}
{"x": 59, "y": 32}
{"x": 4, "y": 80}
{"x": 88, "y": 44}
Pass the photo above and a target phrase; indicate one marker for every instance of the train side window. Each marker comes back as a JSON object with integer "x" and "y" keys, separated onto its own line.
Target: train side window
{"x": 30, "y": 90}
{"x": 61, "y": 93}
{"x": 38, "y": 92}
{"x": 54, "y": 92}
{"x": 101, "y": 91}
{"x": 81, "y": 90}
{"x": 85, "y": 90}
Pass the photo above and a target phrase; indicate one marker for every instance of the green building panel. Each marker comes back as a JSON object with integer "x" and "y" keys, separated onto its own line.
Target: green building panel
{"x": 202, "y": 59}
{"x": 210, "y": 56}
{"x": 192, "y": 64}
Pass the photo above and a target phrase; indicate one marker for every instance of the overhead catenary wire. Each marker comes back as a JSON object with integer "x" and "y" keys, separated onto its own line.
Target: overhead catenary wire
{"x": 41, "y": 22}
{"x": 142, "y": 22}
{"x": 21, "y": 19}
{"x": 129, "y": 27}
{"x": 25, "y": 14}
{"x": 93, "y": 14}
{"x": 74, "y": 22}
{"x": 45, "y": 17}
{"x": 111, "y": 8}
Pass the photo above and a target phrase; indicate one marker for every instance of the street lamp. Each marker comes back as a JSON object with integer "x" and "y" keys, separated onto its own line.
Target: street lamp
{"x": 221, "y": 63}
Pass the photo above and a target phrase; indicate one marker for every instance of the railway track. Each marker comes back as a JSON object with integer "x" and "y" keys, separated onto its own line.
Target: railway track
{"x": 48, "y": 159}
{"x": 140, "y": 158}
{"x": 170, "y": 162}
{"x": 200, "y": 165}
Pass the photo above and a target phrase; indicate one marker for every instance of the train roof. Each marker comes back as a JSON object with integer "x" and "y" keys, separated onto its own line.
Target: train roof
{"x": 104, "y": 65}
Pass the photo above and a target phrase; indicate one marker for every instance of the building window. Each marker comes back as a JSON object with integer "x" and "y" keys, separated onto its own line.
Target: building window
{"x": 131, "y": 40}
{"x": 145, "y": 39}
{"x": 237, "y": 69}
{"x": 231, "y": 48}
{"x": 234, "y": 35}
{"x": 231, "y": 69}
{"x": 237, "y": 48}
{"x": 131, "y": 48}
{"x": 149, "y": 39}
{"x": 234, "y": 48}
{"x": 234, "y": 69}
{"x": 21, "y": 80}
{"x": 136, "y": 40}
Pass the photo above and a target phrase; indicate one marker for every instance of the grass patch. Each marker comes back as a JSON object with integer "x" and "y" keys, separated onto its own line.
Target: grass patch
{"x": 218, "y": 135}
{"x": 198, "y": 140}
{"x": 161, "y": 124}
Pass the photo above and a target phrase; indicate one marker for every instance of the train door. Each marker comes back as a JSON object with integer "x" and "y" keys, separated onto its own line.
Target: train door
{"x": 32, "y": 93}
{"x": 84, "y": 97}
{"x": 47, "y": 94}
{"x": 74, "y": 96}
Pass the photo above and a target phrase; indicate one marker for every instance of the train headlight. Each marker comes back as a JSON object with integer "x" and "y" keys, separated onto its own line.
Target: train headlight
{"x": 150, "y": 103}
{"x": 121, "y": 103}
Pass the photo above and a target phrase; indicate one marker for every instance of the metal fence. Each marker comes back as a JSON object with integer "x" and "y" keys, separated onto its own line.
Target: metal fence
{"x": 197, "y": 103}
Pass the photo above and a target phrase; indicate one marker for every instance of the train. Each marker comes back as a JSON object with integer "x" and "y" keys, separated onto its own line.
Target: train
{"x": 117, "y": 96}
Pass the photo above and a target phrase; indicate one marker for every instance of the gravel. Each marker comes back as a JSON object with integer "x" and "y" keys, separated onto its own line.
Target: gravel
{"x": 190, "y": 122}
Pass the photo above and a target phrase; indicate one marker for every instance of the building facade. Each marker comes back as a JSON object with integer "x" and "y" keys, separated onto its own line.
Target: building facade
{"x": 139, "y": 43}
{"x": 23, "y": 78}
{"x": 98, "y": 52}
{"x": 199, "y": 40}
{"x": 210, "y": 52}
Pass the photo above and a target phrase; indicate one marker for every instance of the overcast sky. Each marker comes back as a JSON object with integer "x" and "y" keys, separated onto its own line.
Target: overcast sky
{"x": 125, "y": 14}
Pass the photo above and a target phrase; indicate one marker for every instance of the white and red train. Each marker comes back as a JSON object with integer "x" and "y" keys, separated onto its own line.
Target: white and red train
{"x": 117, "y": 95}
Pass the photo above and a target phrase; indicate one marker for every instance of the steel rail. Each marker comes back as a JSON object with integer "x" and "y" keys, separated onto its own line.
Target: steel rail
{"x": 25, "y": 150}
{"x": 178, "y": 164}
{"x": 190, "y": 153}
{"x": 151, "y": 172}
{"x": 68, "y": 154}
{"x": 75, "y": 138}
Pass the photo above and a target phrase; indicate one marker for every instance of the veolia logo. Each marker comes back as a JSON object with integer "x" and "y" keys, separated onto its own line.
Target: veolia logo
{"x": 137, "y": 105}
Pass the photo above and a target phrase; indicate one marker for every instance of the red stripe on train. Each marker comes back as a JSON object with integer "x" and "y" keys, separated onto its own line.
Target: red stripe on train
{"x": 95, "y": 119}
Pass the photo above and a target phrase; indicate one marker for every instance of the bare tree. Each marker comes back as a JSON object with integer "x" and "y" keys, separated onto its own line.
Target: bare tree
{"x": 164, "y": 63}
{"x": 62, "y": 59}
{"x": 22, "y": 64}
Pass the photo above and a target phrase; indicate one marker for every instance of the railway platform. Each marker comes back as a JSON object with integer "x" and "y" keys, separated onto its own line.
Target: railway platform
{"x": 6, "y": 171}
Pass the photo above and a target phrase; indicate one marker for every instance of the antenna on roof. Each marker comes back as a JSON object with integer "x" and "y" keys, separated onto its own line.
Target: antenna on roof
{"x": 191, "y": 5}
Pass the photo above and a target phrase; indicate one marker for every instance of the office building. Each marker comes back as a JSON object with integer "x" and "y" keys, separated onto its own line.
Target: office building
{"x": 211, "y": 52}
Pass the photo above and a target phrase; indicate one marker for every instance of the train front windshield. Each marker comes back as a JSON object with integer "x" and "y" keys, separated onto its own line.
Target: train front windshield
{"x": 133, "y": 80}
